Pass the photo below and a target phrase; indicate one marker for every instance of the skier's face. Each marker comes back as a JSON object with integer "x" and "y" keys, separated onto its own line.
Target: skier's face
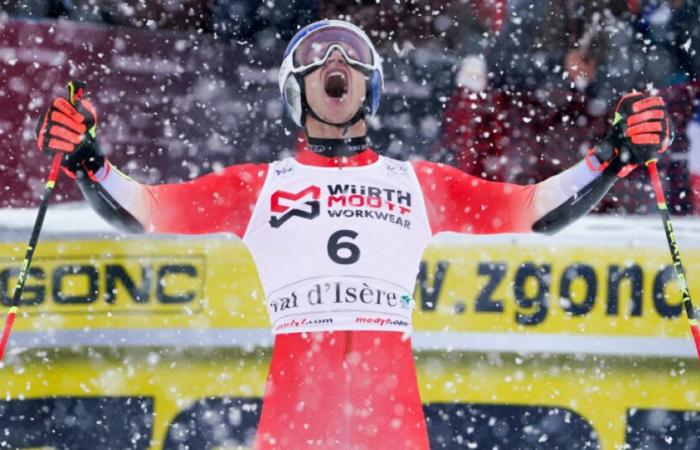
{"x": 336, "y": 90}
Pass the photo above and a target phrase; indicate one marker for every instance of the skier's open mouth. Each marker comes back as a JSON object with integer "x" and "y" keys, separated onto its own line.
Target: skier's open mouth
{"x": 336, "y": 84}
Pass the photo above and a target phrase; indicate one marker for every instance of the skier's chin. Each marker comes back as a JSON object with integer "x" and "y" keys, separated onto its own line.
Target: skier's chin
{"x": 337, "y": 109}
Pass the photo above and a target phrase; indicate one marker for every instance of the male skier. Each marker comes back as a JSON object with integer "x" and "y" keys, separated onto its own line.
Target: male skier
{"x": 337, "y": 233}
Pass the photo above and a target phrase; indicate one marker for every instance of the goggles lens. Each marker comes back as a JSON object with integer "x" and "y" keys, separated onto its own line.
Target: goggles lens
{"x": 313, "y": 48}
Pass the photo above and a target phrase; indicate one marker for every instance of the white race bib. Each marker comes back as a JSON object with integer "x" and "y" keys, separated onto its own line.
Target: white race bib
{"x": 339, "y": 248}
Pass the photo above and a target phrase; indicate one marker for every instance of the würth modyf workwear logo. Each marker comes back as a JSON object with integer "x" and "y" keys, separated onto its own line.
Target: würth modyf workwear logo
{"x": 304, "y": 204}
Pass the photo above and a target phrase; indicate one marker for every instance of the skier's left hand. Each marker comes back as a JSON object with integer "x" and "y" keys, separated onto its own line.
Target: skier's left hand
{"x": 642, "y": 130}
{"x": 645, "y": 127}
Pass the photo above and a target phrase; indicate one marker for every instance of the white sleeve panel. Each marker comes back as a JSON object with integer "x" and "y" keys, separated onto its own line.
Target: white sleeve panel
{"x": 129, "y": 194}
{"x": 556, "y": 190}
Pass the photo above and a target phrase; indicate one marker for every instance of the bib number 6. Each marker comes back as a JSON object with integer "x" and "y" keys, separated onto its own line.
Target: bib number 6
{"x": 343, "y": 252}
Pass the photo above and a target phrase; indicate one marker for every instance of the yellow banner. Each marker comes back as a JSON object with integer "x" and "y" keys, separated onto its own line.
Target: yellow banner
{"x": 136, "y": 283}
{"x": 205, "y": 284}
{"x": 574, "y": 289}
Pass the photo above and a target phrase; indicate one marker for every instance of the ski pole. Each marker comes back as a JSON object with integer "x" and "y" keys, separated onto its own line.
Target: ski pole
{"x": 675, "y": 252}
{"x": 76, "y": 90}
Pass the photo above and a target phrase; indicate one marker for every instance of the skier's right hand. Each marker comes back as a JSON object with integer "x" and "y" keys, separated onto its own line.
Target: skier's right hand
{"x": 70, "y": 130}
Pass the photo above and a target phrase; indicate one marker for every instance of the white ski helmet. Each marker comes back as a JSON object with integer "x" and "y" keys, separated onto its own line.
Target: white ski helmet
{"x": 310, "y": 48}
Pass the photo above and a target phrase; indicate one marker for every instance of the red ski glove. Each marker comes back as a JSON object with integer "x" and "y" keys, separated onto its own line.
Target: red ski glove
{"x": 642, "y": 129}
{"x": 71, "y": 130}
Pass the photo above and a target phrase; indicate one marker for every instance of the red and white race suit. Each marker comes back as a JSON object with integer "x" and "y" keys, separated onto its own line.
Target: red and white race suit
{"x": 337, "y": 243}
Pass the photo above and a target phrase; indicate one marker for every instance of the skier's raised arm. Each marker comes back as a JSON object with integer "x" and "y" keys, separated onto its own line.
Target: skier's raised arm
{"x": 459, "y": 202}
{"x": 218, "y": 202}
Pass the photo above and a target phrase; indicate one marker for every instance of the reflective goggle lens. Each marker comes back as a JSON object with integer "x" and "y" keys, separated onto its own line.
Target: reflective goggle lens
{"x": 313, "y": 48}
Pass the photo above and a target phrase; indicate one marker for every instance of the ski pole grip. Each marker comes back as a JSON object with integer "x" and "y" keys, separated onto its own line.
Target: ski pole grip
{"x": 76, "y": 91}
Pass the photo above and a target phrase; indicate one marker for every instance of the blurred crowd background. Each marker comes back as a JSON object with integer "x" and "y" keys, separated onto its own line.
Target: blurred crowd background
{"x": 508, "y": 90}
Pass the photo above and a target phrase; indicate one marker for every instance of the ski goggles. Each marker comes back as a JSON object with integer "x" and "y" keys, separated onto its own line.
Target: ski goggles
{"x": 315, "y": 49}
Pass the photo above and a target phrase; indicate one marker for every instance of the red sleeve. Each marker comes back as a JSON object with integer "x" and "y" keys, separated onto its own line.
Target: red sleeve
{"x": 456, "y": 201}
{"x": 218, "y": 202}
